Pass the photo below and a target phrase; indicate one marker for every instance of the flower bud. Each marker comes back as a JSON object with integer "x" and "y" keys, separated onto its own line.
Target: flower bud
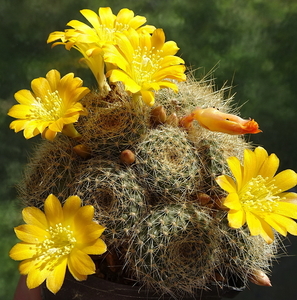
{"x": 127, "y": 157}
{"x": 158, "y": 115}
{"x": 260, "y": 278}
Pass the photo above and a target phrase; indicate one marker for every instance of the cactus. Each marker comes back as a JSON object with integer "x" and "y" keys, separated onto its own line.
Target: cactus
{"x": 160, "y": 206}
{"x": 242, "y": 254}
{"x": 168, "y": 163}
{"x": 161, "y": 254}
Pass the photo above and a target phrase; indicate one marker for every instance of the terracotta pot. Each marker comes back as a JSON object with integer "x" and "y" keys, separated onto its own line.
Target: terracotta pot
{"x": 97, "y": 289}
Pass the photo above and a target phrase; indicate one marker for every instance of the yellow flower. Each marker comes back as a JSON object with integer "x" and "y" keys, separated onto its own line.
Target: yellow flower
{"x": 146, "y": 63}
{"x": 258, "y": 197}
{"x": 89, "y": 40}
{"x": 52, "y": 107}
{"x": 55, "y": 239}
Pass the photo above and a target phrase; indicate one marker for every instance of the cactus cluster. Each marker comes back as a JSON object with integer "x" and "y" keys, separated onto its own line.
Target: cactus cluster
{"x": 165, "y": 228}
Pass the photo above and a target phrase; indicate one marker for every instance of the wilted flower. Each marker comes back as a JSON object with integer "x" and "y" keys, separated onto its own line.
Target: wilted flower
{"x": 52, "y": 107}
{"x": 258, "y": 197}
{"x": 55, "y": 239}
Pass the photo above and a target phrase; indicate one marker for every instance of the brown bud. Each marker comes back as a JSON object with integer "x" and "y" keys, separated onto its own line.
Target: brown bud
{"x": 158, "y": 115}
{"x": 82, "y": 150}
{"x": 203, "y": 199}
{"x": 260, "y": 278}
{"x": 172, "y": 120}
{"x": 127, "y": 157}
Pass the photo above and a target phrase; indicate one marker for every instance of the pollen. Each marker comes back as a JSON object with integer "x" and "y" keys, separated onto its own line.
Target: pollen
{"x": 60, "y": 242}
{"x": 257, "y": 195}
{"x": 145, "y": 64}
{"x": 48, "y": 108}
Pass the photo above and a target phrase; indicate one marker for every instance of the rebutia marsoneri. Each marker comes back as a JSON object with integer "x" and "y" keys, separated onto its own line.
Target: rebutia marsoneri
{"x": 165, "y": 227}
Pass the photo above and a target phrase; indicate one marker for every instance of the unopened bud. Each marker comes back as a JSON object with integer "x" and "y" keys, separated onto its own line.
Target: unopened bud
{"x": 172, "y": 120}
{"x": 260, "y": 278}
{"x": 82, "y": 150}
{"x": 158, "y": 115}
{"x": 127, "y": 157}
{"x": 203, "y": 199}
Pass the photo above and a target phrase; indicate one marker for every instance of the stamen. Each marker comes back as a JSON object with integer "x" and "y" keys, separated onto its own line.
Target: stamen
{"x": 49, "y": 108}
{"x": 259, "y": 196}
{"x": 145, "y": 63}
{"x": 60, "y": 243}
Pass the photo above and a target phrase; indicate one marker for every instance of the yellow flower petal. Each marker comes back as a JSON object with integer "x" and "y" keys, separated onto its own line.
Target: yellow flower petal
{"x": 148, "y": 97}
{"x": 269, "y": 167}
{"x": 124, "y": 16}
{"x": 34, "y": 216}
{"x": 170, "y": 48}
{"x": 232, "y": 201}
{"x": 84, "y": 215}
{"x": 27, "y": 265}
{"x": 22, "y": 251}
{"x": 55, "y": 279}
{"x": 226, "y": 183}
{"x": 285, "y": 180}
{"x": 289, "y": 197}
{"x": 24, "y": 97}
{"x": 137, "y": 21}
{"x": 75, "y": 273}
{"x": 168, "y": 84}
{"x": 20, "y": 111}
{"x": 36, "y": 277}
{"x": 236, "y": 169}
{"x": 107, "y": 17}
{"x": 286, "y": 209}
{"x": 53, "y": 210}
{"x": 236, "y": 218}
{"x": 71, "y": 207}
{"x": 266, "y": 232}
{"x": 88, "y": 234}
{"x": 282, "y": 224}
{"x": 97, "y": 248}
{"x": 261, "y": 155}
{"x": 81, "y": 262}
{"x": 30, "y": 233}
{"x": 250, "y": 161}
{"x": 53, "y": 77}
{"x": 130, "y": 84}
{"x": 40, "y": 87}
{"x": 158, "y": 39}
{"x": 253, "y": 223}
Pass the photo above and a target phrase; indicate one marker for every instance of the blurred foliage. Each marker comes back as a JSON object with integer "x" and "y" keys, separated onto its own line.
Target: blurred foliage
{"x": 254, "y": 42}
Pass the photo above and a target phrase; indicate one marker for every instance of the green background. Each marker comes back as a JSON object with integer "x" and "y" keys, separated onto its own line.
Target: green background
{"x": 251, "y": 44}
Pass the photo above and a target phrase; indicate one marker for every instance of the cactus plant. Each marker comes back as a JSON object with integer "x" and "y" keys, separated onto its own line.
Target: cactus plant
{"x": 162, "y": 180}
{"x": 161, "y": 231}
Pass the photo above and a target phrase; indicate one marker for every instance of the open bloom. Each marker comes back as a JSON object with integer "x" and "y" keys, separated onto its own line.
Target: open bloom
{"x": 52, "y": 107}
{"x": 146, "y": 63}
{"x": 55, "y": 239}
{"x": 90, "y": 40}
{"x": 258, "y": 197}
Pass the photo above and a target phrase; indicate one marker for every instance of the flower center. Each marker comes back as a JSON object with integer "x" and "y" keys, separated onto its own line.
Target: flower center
{"x": 49, "y": 108}
{"x": 257, "y": 195}
{"x": 60, "y": 243}
{"x": 106, "y": 34}
{"x": 145, "y": 63}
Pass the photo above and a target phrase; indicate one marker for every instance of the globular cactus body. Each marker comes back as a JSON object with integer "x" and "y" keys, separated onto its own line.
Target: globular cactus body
{"x": 160, "y": 209}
